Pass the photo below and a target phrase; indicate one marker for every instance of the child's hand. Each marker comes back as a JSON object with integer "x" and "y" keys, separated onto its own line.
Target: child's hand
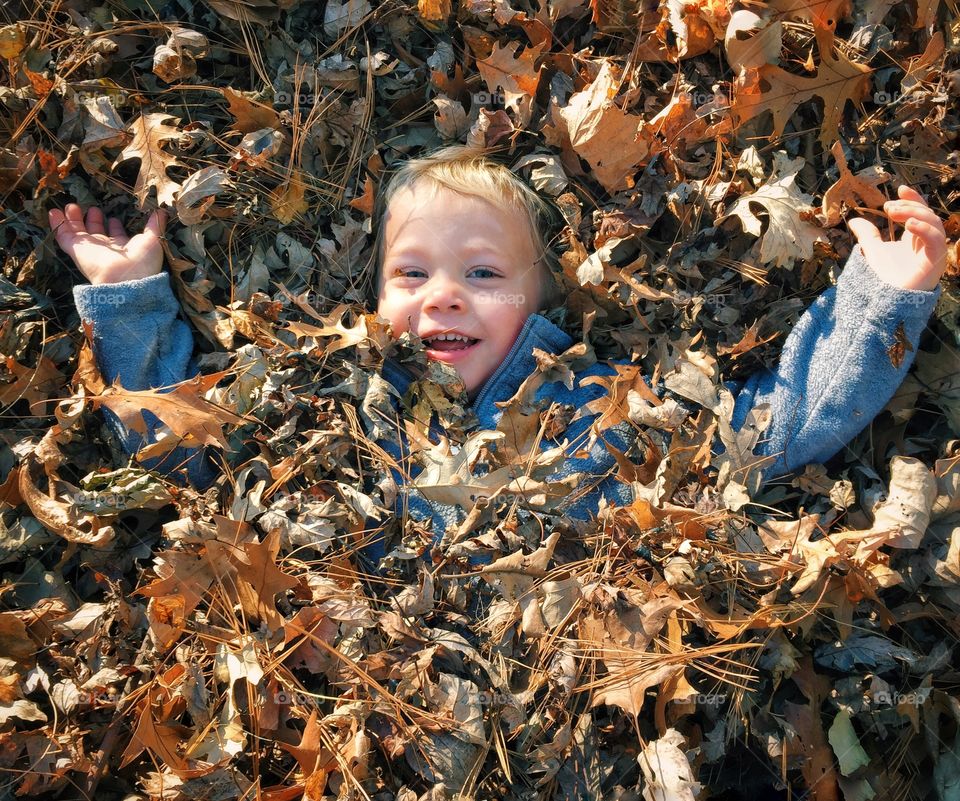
{"x": 108, "y": 258}
{"x": 919, "y": 258}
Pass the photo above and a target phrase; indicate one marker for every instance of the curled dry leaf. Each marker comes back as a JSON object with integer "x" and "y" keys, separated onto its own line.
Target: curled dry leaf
{"x": 58, "y": 516}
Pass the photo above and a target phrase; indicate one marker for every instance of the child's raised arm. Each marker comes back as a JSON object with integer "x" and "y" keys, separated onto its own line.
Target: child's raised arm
{"x": 137, "y": 336}
{"x": 852, "y": 348}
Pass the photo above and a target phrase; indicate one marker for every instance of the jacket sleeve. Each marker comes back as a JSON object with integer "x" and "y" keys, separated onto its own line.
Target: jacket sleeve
{"x": 840, "y": 365}
{"x": 138, "y": 339}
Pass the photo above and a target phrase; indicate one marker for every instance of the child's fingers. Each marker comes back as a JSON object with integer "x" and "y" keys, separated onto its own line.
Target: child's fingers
{"x": 156, "y": 223}
{"x": 864, "y": 230}
{"x": 909, "y": 193}
{"x": 117, "y": 232}
{"x": 932, "y": 238}
{"x": 65, "y": 230}
{"x": 74, "y": 216}
{"x": 56, "y": 219}
{"x": 901, "y": 210}
{"x": 62, "y": 230}
{"x": 95, "y": 220}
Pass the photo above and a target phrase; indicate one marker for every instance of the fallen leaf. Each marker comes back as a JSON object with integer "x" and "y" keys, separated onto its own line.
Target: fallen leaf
{"x": 194, "y": 420}
{"x": 150, "y": 131}
{"x": 773, "y": 89}
{"x": 788, "y": 237}
{"x": 852, "y": 190}
{"x": 612, "y": 141}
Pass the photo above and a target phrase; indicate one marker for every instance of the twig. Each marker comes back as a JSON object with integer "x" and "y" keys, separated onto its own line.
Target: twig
{"x": 102, "y": 757}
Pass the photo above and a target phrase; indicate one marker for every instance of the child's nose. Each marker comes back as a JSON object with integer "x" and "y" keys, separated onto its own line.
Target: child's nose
{"x": 444, "y": 294}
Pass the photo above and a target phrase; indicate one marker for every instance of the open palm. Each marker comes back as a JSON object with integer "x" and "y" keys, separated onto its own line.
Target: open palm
{"x": 108, "y": 255}
{"x": 919, "y": 257}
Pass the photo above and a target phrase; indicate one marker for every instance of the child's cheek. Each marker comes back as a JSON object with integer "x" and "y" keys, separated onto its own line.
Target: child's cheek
{"x": 391, "y": 311}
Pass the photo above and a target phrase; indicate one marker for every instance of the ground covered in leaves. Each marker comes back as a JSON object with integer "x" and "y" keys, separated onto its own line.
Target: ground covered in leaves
{"x": 717, "y": 639}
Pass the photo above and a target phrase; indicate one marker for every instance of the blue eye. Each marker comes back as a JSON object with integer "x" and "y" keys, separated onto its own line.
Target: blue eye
{"x": 406, "y": 272}
{"x": 492, "y": 274}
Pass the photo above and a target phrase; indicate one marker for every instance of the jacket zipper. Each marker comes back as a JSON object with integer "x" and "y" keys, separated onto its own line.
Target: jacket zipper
{"x": 518, "y": 343}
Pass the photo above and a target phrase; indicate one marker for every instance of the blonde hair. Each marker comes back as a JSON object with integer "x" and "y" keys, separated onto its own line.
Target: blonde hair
{"x": 469, "y": 171}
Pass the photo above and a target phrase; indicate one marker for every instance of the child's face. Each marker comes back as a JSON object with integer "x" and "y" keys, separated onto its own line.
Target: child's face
{"x": 456, "y": 264}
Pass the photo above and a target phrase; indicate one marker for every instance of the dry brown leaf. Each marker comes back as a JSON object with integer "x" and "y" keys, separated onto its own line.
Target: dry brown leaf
{"x": 746, "y": 344}
{"x": 824, "y": 15}
{"x": 258, "y": 12}
{"x": 58, "y": 516}
{"x": 613, "y": 408}
{"x": 366, "y": 331}
{"x": 150, "y": 131}
{"x": 249, "y": 115}
{"x": 315, "y": 761}
{"x": 157, "y": 729}
{"x": 516, "y": 76}
{"x": 612, "y": 141}
{"x": 262, "y": 580}
{"x": 435, "y": 11}
{"x": 773, "y": 89}
{"x": 789, "y": 236}
{"x": 288, "y": 201}
{"x": 852, "y": 190}
{"x": 192, "y": 418}
{"x": 35, "y": 384}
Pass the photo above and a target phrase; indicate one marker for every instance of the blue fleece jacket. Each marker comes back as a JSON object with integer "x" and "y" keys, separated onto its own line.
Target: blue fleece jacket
{"x": 833, "y": 377}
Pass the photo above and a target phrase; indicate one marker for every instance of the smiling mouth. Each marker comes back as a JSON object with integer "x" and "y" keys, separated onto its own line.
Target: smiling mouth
{"x": 445, "y": 345}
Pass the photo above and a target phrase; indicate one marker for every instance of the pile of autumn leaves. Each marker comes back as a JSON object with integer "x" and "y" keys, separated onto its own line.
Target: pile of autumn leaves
{"x": 625, "y": 657}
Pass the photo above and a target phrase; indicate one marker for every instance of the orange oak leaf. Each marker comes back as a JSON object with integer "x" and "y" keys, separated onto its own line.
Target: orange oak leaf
{"x": 315, "y": 760}
{"x": 150, "y": 131}
{"x": 613, "y": 407}
{"x": 192, "y": 418}
{"x": 33, "y": 383}
{"x": 852, "y": 190}
{"x": 365, "y": 330}
{"x": 517, "y": 77}
{"x": 257, "y": 567}
{"x": 434, "y": 11}
{"x": 288, "y": 201}
{"x": 156, "y": 728}
{"x": 773, "y": 89}
{"x": 746, "y": 344}
{"x": 248, "y": 115}
{"x": 823, "y": 15}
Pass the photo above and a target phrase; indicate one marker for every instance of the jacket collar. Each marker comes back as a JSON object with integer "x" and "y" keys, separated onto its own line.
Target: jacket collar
{"x": 537, "y": 332}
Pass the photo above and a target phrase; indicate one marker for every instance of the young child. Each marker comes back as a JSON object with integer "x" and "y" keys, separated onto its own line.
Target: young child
{"x": 462, "y": 264}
